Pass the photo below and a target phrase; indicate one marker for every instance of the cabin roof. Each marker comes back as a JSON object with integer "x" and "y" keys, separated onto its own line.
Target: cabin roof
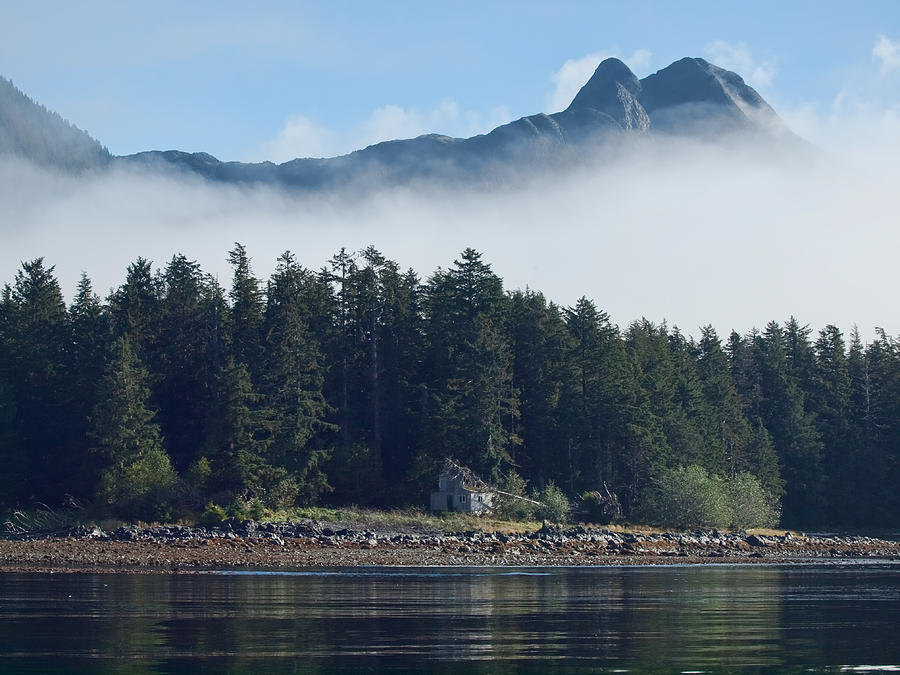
{"x": 466, "y": 477}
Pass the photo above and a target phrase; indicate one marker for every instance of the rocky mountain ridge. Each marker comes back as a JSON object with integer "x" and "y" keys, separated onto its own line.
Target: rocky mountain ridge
{"x": 690, "y": 97}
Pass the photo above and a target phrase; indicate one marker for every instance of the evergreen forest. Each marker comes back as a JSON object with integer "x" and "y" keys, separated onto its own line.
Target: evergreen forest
{"x": 352, "y": 383}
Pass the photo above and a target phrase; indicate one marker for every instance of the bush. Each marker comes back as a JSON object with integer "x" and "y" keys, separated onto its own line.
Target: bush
{"x": 243, "y": 509}
{"x": 213, "y": 514}
{"x": 750, "y": 504}
{"x": 273, "y": 485}
{"x": 554, "y": 505}
{"x": 508, "y": 507}
{"x": 237, "y": 509}
{"x": 142, "y": 488}
{"x": 198, "y": 475}
{"x": 690, "y": 497}
{"x": 256, "y": 510}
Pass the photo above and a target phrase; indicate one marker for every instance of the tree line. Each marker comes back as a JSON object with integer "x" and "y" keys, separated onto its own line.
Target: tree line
{"x": 352, "y": 383}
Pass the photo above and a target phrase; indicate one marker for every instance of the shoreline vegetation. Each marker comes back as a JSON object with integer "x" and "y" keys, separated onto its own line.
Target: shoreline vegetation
{"x": 362, "y": 538}
{"x": 175, "y": 399}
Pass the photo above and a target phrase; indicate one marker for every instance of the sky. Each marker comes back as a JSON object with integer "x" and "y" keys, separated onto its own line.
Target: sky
{"x": 324, "y": 78}
{"x": 295, "y": 79}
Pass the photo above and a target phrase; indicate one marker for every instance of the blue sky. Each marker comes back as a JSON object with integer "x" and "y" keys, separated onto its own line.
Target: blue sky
{"x": 702, "y": 235}
{"x": 300, "y": 78}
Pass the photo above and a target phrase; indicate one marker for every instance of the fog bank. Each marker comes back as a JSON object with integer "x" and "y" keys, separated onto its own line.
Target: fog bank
{"x": 679, "y": 231}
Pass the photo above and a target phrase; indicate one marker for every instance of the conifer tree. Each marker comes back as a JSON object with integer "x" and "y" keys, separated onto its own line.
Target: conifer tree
{"x": 883, "y": 370}
{"x": 185, "y": 353}
{"x": 89, "y": 341}
{"x": 792, "y": 429}
{"x": 240, "y": 434}
{"x": 401, "y": 381}
{"x": 540, "y": 345}
{"x": 134, "y": 309}
{"x": 469, "y": 367}
{"x": 830, "y": 400}
{"x": 139, "y": 478}
{"x": 294, "y": 381}
{"x": 34, "y": 334}
{"x": 246, "y": 311}
{"x": 727, "y": 415}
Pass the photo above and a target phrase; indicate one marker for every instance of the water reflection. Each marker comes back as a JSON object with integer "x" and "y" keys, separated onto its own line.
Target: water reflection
{"x": 639, "y": 619}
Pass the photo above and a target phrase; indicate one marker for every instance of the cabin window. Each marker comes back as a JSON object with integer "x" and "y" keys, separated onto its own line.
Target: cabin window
{"x": 462, "y": 498}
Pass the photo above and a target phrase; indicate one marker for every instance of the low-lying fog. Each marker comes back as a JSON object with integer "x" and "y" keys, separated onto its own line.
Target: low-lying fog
{"x": 682, "y": 232}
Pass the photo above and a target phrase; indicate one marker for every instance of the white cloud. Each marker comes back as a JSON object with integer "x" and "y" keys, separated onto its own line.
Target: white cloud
{"x": 299, "y": 137}
{"x": 738, "y": 57}
{"x": 860, "y": 132}
{"x": 574, "y": 73}
{"x": 820, "y": 238}
{"x": 887, "y": 53}
{"x": 302, "y": 136}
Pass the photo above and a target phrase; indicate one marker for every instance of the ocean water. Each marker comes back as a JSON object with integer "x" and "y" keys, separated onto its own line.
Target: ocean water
{"x": 709, "y": 618}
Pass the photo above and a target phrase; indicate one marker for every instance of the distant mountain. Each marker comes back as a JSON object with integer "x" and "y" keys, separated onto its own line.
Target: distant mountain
{"x": 29, "y": 130}
{"x": 690, "y": 97}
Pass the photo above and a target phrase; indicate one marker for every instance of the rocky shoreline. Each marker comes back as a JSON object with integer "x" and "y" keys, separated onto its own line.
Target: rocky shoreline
{"x": 249, "y": 545}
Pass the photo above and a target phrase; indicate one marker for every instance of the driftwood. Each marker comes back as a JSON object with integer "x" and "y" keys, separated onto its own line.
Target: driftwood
{"x": 468, "y": 479}
{"x": 519, "y": 497}
{"x": 602, "y": 506}
{"x": 471, "y": 481}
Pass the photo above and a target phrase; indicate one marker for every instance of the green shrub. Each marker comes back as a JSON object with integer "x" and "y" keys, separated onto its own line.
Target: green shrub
{"x": 507, "y": 507}
{"x": 140, "y": 489}
{"x": 213, "y": 514}
{"x": 750, "y": 504}
{"x": 273, "y": 485}
{"x": 690, "y": 497}
{"x": 554, "y": 505}
{"x": 257, "y": 510}
{"x": 237, "y": 509}
{"x": 198, "y": 475}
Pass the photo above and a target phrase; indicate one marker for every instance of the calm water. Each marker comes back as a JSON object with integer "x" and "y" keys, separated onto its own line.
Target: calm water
{"x": 665, "y": 619}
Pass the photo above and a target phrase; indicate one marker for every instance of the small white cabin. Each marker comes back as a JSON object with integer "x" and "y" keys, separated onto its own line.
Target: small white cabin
{"x": 461, "y": 490}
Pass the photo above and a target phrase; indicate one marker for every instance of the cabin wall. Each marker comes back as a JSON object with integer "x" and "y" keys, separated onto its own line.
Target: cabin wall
{"x": 462, "y": 501}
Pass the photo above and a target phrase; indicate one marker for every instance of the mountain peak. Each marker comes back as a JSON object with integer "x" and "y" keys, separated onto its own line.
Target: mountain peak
{"x": 691, "y": 90}
{"x": 613, "y": 89}
{"x": 601, "y": 88}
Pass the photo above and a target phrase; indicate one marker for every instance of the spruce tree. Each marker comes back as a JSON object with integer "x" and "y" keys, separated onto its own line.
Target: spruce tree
{"x": 830, "y": 400}
{"x": 35, "y": 332}
{"x": 792, "y": 429}
{"x": 293, "y": 381}
{"x": 89, "y": 342}
{"x": 135, "y": 309}
{"x": 731, "y": 431}
{"x": 139, "y": 478}
{"x": 469, "y": 368}
{"x": 247, "y": 308}
{"x": 401, "y": 380}
{"x": 240, "y": 434}
{"x": 540, "y": 345}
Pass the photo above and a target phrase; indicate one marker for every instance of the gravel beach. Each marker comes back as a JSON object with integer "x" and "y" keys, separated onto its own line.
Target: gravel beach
{"x": 248, "y": 545}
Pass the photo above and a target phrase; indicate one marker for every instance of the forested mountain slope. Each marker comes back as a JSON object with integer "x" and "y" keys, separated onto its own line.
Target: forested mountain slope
{"x": 30, "y": 131}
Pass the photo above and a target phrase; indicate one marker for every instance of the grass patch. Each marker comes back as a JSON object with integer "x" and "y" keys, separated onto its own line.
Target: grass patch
{"x": 411, "y": 518}
{"x": 41, "y": 518}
